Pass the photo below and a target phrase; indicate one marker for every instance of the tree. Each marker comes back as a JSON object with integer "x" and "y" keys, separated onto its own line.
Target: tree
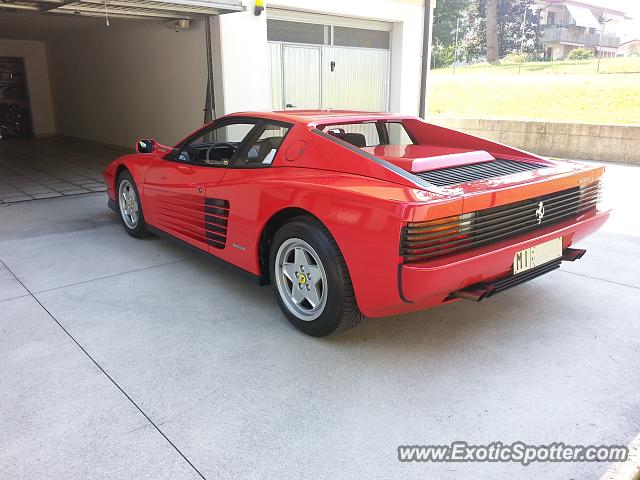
{"x": 511, "y": 15}
{"x": 491, "y": 32}
{"x": 447, "y": 15}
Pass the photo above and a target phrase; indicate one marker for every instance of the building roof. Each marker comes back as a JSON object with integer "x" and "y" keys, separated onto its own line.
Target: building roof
{"x": 588, "y": 4}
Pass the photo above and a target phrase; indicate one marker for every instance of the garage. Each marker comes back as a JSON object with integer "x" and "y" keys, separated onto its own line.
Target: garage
{"x": 98, "y": 73}
{"x": 81, "y": 80}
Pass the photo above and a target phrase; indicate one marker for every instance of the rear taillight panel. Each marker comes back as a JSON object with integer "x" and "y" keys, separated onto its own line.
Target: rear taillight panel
{"x": 444, "y": 236}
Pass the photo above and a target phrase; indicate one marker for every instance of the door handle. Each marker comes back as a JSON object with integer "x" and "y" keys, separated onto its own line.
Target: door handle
{"x": 288, "y": 105}
{"x": 184, "y": 169}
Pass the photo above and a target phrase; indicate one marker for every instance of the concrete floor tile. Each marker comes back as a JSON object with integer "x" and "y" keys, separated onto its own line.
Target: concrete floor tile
{"x": 73, "y": 191}
{"x": 60, "y": 417}
{"x": 608, "y": 257}
{"x": 56, "y": 242}
{"x": 17, "y": 198}
{"x": 36, "y": 190}
{"x": 46, "y": 195}
{"x": 9, "y": 286}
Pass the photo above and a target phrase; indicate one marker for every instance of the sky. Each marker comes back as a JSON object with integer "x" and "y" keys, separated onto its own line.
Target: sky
{"x": 631, "y": 7}
{"x": 631, "y": 28}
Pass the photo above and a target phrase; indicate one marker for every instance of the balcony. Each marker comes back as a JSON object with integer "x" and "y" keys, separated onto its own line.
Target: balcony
{"x": 579, "y": 37}
{"x": 608, "y": 40}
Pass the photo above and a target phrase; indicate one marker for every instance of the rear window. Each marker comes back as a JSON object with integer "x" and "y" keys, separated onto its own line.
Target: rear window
{"x": 370, "y": 134}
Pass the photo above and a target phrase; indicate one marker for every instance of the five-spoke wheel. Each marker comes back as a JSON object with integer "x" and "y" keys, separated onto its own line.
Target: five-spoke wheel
{"x": 312, "y": 282}
{"x": 128, "y": 200}
{"x": 131, "y": 215}
{"x": 301, "y": 279}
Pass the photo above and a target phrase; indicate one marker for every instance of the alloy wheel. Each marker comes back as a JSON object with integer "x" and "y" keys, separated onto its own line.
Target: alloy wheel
{"x": 128, "y": 201}
{"x": 301, "y": 279}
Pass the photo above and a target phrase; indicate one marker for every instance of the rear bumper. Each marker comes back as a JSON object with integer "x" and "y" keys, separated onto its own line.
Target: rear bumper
{"x": 427, "y": 284}
{"x": 479, "y": 291}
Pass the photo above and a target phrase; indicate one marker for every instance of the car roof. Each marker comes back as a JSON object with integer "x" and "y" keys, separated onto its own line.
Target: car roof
{"x": 319, "y": 117}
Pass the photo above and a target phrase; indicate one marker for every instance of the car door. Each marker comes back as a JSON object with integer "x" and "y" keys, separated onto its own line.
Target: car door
{"x": 237, "y": 203}
{"x": 175, "y": 186}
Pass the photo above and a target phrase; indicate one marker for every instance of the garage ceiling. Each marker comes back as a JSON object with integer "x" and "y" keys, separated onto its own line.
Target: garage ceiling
{"x": 134, "y": 9}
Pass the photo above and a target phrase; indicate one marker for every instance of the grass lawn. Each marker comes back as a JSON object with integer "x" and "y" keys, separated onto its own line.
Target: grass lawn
{"x": 564, "y": 91}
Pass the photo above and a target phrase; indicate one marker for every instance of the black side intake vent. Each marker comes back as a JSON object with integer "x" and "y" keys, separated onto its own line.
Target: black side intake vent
{"x": 477, "y": 171}
{"x": 216, "y": 219}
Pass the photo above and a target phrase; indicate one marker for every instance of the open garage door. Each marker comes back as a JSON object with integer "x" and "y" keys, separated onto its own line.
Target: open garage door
{"x": 132, "y": 9}
{"x": 109, "y": 70}
{"x": 67, "y": 76}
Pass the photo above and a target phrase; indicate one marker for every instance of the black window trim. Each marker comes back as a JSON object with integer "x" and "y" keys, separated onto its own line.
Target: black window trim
{"x": 253, "y": 137}
{"x": 172, "y": 156}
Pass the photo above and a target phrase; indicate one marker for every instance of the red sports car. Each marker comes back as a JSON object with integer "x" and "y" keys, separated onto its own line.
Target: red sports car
{"x": 352, "y": 214}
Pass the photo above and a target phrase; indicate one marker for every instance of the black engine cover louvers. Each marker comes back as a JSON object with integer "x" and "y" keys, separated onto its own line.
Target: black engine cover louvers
{"x": 216, "y": 219}
{"x": 478, "y": 171}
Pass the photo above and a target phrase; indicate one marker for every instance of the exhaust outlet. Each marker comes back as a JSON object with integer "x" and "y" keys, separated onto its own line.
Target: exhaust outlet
{"x": 573, "y": 254}
{"x": 474, "y": 293}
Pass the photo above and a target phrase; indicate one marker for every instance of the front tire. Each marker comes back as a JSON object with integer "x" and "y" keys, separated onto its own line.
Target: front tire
{"x": 311, "y": 280}
{"x": 129, "y": 207}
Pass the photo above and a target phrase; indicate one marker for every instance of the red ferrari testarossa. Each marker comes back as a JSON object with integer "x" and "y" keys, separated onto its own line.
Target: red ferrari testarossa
{"x": 352, "y": 214}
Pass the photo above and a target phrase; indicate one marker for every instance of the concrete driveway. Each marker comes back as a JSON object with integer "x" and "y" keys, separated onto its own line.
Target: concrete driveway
{"x": 123, "y": 358}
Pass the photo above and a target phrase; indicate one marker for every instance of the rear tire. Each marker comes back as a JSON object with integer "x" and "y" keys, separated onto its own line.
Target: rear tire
{"x": 311, "y": 280}
{"x": 129, "y": 206}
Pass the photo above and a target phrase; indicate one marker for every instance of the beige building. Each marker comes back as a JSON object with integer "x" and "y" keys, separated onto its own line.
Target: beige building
{"x": 629, "y": 48}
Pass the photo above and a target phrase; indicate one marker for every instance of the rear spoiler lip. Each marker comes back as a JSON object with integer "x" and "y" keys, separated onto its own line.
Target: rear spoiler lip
{"x": 437, "y": 162}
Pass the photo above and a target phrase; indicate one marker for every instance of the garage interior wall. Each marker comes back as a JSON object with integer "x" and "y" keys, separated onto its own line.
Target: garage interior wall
{"x": 35, "y": 59}
{"x": 127, "y": 81}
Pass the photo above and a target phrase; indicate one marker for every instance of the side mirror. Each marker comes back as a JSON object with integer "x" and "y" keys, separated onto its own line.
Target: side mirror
{"x": 145, "y": 145}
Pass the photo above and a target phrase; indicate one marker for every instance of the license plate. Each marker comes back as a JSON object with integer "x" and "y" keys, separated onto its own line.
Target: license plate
{"x": 537, "y": 255}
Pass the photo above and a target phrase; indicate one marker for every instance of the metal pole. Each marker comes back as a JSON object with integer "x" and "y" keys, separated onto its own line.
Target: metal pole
{"x": 455, "y": 49}
{"x": 604, "y": 20}
{"x": 426, "y": 57}
{"x": 524, "y": 24}
{"x": 210, "y": 103}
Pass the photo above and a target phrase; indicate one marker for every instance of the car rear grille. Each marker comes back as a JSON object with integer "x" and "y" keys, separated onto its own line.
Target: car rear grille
{"x": 477, "y": 171}
{"x": 216, "y": 219}
{"x": 425, "y": 240}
